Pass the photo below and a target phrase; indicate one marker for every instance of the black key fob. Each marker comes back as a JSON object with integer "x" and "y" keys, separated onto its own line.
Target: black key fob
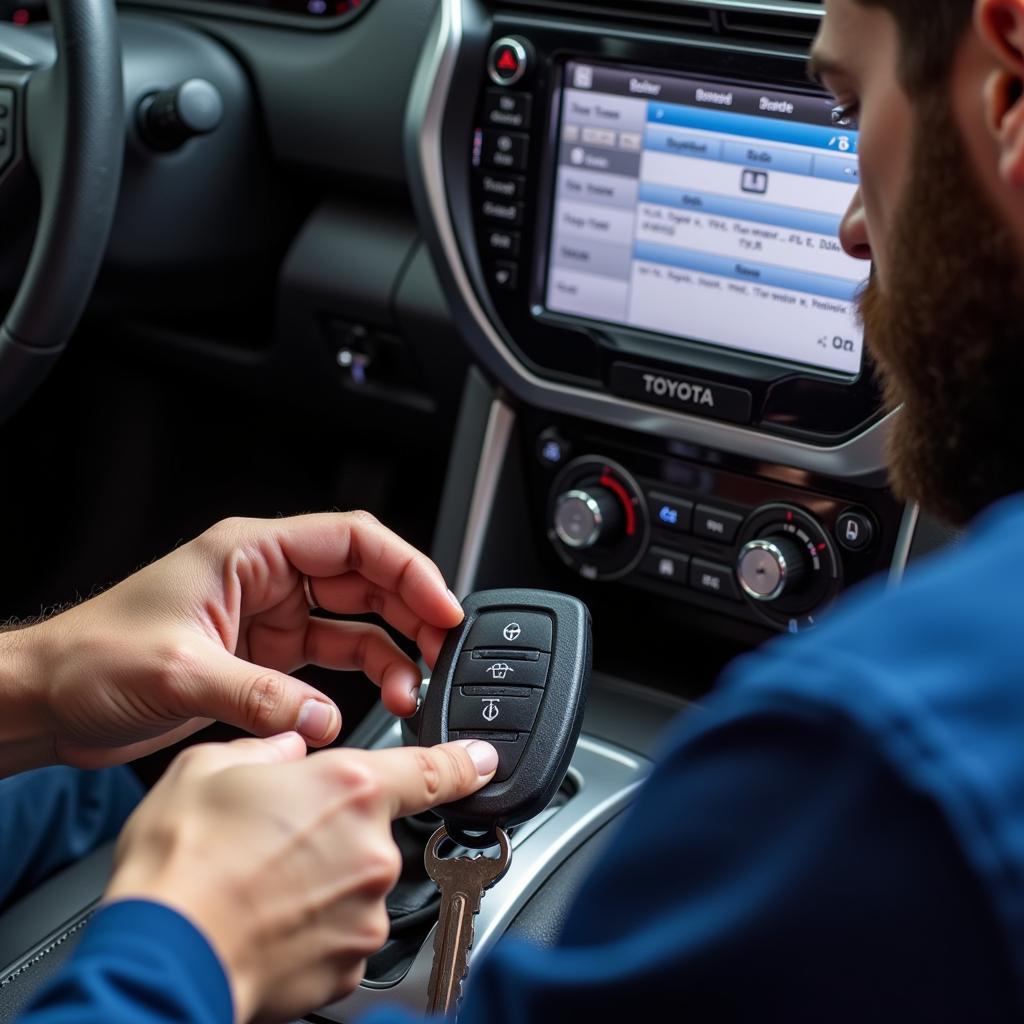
{"x": 514, "y": 673}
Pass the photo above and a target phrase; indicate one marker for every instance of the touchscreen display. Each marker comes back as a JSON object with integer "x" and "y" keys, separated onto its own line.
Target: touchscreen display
{"x": 706, "y": 211}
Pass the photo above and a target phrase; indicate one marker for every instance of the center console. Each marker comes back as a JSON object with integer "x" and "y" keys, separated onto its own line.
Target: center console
{"x": 636, "y": 218}
{"x": 635, "y": 213}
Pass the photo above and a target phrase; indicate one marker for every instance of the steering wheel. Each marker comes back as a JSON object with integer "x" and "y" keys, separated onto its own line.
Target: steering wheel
{"x": 62, "y": 114}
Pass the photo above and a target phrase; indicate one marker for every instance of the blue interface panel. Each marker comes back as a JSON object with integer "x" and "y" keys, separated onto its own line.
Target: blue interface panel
{"x": 708, "y": 212}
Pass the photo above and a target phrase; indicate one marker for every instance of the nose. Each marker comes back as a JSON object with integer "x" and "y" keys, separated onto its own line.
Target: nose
{"x": 853, "y": 231}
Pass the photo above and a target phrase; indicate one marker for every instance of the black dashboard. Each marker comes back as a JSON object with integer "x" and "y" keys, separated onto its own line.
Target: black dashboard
{"x": 626, "y": 216}
{"x": 626, "y": 219}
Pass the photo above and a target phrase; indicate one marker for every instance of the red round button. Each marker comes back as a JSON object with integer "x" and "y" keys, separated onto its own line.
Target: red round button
{"x": 507, "y": 60}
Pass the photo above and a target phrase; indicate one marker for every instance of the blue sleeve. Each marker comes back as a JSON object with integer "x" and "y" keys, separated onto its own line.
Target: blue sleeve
{"x": 53, "y": 816}
{"x": 773, "y": 868}
{"x": 137, "y": 963}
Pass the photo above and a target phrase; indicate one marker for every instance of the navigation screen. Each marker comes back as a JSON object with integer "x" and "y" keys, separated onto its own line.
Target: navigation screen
{"x": 706, "y": 211}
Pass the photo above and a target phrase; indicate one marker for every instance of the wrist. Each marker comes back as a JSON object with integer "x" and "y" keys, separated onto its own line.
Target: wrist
{"x": 26, "y": 724}
{"x": 213, "y": 917}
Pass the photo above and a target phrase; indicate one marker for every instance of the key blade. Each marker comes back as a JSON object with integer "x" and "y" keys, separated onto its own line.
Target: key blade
{"x": 463, "y": 882}
{"x": 452, "y": 942}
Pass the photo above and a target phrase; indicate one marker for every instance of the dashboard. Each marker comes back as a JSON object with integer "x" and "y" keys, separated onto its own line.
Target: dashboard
{"x": 626, "y": 217}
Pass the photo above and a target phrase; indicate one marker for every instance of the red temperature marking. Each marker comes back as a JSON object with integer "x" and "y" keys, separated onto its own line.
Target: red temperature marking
{"x": 623, "y": 495}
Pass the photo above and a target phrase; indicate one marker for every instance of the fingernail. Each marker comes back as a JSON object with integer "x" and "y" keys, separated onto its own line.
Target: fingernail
{"x": 484, "y": 756}
{"x": 315, "y": 720}
{"x": 284, "y": 739}
{"x": 454, "y": 600}
{"x": 414, "y": 695}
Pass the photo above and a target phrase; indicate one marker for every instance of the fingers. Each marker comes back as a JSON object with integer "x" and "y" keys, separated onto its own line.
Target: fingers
{"x": 410, "y": 780}
{"x": 353, "y": 594}
{"x": 329, "y": 545}
{"x": 207, "y": 758}
{"x": 260, "y": 700}
{"x": 359, "y": 645}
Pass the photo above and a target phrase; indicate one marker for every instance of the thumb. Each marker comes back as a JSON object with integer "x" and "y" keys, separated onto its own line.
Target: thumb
{"x": 207, "y": 758}
{"x": 260, "y": 700}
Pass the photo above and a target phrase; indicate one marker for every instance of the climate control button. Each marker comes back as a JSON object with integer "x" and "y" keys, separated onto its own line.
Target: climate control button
{"x": 771, "y": 567}
{"x": 597, "y": 518}
{"x": 787, "y": 566}
{"x": 584, "y": 518}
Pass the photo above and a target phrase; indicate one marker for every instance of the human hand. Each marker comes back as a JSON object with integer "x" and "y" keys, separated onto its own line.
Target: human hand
{"x": 284, "y": 862}
{"x": 211, "y": 631}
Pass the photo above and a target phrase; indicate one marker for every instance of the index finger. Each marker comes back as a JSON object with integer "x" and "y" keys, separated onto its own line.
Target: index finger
{"x": 328, "y": 545}
{"x": 415, "y": 779}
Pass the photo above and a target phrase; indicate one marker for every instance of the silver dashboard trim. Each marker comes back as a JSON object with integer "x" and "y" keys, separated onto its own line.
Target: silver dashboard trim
{"x": 861, "y": 458}
{"x": 497, "y": 433}
{"x": 904, "y": 541}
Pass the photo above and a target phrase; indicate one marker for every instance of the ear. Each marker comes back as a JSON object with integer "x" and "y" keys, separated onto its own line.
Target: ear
{"x": 1000, "y": 24}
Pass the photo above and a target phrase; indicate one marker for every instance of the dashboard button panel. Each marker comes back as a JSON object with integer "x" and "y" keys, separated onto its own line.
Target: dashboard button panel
{"x": 668, "y": 566}
{"x": 716, "y": 524}
{"x": 714, "y": 578}
{"x": 507, "y": 151}
{"x": 504, "y": 109}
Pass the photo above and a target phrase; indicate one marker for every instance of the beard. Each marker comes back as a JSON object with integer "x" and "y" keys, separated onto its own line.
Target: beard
{"x": 947, "y": 332}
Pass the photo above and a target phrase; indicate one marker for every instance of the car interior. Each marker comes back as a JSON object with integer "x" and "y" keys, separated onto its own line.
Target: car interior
{"x": 551, "y": 287}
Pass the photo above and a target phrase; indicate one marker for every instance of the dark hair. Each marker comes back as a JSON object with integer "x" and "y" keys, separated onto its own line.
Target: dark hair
{"x": 930, "y": 31}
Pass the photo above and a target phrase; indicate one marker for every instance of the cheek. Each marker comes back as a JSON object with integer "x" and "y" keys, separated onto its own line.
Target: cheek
{"x": 884, "y": 151}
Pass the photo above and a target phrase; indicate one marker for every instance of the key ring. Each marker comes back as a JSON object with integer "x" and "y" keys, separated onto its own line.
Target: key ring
{"x": 495, "y": 836}
{"x": 492, "y": 837}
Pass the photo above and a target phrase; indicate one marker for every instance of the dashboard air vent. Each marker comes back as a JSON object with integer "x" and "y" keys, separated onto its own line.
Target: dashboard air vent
{"x": 768, "y": 21}
{"x": 679, "y": 13}
{"x": 799, "y": 23}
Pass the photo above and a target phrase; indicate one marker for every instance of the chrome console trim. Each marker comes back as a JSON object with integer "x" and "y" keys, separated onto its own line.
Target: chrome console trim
{"x": 606, "y": 779}
{"x": 862, "y": 458}
{"x": 497, "y": 434}
{"x": 904, "y": 541}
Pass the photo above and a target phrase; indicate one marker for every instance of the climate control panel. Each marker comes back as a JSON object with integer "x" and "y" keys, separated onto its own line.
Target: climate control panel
{"x": 759, "y": 545}
{"x": 598, "y": 518}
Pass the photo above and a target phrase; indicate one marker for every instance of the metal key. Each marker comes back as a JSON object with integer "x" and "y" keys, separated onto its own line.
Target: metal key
{"x": 462, "y": 882}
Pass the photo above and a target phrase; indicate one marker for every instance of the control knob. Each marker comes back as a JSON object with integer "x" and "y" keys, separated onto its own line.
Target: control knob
{"x": 170, "y": 118}
{"x": 587, "y": 516}
{"x": 770, "y": 567}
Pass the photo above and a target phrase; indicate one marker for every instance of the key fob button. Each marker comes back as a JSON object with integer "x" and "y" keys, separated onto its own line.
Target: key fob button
{"x": 502, "y": 671}
{"x": 509, "y": 745}
{"x": 505, "y": 709}
{"x": 512, "y": 628}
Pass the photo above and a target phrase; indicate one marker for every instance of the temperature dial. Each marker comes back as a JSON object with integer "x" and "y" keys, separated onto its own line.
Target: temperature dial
{"x": 597, "y": 518}
{"x": 584, "y": 518}
{"x": 771, "y": 567}
{"x": 787, "y": 566}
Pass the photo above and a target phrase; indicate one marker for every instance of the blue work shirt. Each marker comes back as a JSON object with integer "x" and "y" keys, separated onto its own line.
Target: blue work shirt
{"x": 837, "y": 837}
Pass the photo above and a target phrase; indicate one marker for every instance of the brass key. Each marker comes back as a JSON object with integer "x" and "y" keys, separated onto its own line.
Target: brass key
{"x": 462, "y": 882}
